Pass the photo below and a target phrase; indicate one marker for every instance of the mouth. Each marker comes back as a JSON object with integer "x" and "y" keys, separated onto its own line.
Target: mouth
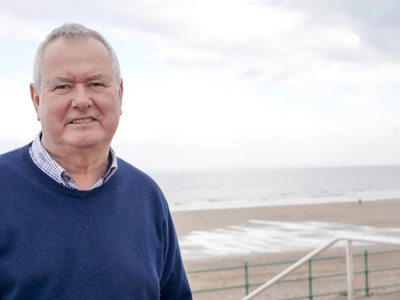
{"x": 80, "y": 121}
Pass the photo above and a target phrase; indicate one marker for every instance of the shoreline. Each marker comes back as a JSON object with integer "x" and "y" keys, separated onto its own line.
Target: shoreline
{"x": 378, "y": 213}
{"x": 276, "y": 205}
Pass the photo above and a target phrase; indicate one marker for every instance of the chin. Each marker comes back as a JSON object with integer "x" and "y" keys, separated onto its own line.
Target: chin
{"x": 86, "y": 142}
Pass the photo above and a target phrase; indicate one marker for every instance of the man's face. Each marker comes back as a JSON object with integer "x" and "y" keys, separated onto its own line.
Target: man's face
{"x": 79, "y": 103}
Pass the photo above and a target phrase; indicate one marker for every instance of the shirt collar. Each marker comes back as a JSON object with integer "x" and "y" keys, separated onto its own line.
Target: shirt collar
{"x": 49, "y": 166}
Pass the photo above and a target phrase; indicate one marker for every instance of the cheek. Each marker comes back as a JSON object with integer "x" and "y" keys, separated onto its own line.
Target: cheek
{"x": 111, "y": 108}
{"x": 53, "y": 113}
{"x": 111, "y": 119}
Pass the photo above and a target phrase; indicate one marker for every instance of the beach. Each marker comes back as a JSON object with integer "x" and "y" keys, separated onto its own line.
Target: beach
{"x": 377, "y": 217}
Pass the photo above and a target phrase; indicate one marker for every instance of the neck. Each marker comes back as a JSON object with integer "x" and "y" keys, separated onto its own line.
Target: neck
{"x": 86, "y": 166}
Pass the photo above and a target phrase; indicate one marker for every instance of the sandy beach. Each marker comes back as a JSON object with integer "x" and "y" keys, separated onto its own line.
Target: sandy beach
{"x": 377, "y": 214}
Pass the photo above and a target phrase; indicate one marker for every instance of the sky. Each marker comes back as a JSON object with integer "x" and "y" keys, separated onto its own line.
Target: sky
{"x": 222, "y": 84}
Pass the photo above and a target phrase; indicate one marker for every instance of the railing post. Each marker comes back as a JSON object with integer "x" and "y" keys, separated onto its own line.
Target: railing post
{"x": 310, "y": 296}
{"x": 350, "y": 275}
{"x": 246, "y": 277}
{"x": 366, "y": 274}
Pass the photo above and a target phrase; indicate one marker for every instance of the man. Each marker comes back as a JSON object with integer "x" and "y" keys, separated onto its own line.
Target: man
{"x": 76, "y": 222}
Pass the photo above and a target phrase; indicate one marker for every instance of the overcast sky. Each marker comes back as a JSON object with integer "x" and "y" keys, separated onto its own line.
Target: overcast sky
{"x": 228, "y": 83}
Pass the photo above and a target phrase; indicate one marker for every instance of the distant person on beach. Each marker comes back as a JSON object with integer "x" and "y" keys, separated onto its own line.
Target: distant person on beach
{"x": 76, "y": 222}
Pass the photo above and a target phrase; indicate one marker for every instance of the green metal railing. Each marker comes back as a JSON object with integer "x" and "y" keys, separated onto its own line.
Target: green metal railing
{"x": 310, "y": 278}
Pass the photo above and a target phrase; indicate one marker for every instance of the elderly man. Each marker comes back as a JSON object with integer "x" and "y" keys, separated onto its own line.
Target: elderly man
{"x": 76, "y": 222}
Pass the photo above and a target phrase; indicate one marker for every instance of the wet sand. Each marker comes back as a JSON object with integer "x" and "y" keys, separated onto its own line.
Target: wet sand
{"x": 385, "y": 213}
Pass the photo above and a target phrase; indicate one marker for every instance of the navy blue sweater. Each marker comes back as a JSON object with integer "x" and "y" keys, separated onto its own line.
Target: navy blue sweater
{"x": 116, "y": 241}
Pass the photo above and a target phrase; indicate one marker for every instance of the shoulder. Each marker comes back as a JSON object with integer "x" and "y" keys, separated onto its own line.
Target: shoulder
{"x": 7, "y": 155}
{"x": 139, "y": 183}
{"x": 128, "y": 170}
{"x": 14, "y": 156}
{"x": 14, "y": 172}
{"x": 137, "y": 178}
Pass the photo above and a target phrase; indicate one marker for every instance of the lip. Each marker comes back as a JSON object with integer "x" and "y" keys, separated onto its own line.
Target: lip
{"x": 84, "y": 120}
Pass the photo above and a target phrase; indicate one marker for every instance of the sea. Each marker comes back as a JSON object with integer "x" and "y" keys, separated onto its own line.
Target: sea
{"x": 199, "y": 190}
{"x": 214, "y": 189}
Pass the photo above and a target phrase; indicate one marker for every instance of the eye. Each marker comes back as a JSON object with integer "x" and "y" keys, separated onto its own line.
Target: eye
{"x": 96, "y": 84}
{"x": 62, "y": 87}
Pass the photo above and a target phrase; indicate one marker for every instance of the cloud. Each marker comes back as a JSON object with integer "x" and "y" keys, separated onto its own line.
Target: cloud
{"x": 184, "y": 56}
{"x": 18, "y": 28}
{"x": 290, "y": 45}
{"x": 365, "y": 99}
{"x": 297, "y": 44}
{"x": 377, "y": 24}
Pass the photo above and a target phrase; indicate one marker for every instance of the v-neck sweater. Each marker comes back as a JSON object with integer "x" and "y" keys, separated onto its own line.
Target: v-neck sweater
{"x": 116, "y": 241}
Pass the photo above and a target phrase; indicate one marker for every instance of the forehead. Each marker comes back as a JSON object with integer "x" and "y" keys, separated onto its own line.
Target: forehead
{"x": 76, "y": 55}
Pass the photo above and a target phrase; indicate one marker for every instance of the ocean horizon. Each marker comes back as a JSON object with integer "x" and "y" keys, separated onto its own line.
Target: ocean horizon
{"x": 218, "y": 189}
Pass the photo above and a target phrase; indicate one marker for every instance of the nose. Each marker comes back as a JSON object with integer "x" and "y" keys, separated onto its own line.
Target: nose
{"x": 81, "y": 98}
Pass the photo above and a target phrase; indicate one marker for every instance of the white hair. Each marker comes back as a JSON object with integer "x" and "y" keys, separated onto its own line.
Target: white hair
{"x": 71, "y": 31}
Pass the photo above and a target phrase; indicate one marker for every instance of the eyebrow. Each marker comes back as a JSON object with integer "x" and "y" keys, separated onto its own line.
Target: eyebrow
{"x": 96, "y": 77}
{"x": 61, "y": 79}
{"x": 67, "y": 79}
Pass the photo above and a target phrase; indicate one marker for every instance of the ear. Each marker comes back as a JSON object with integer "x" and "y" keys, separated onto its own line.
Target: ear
{"x": 35, "y": 99}
{"x": 120, "y": 94}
